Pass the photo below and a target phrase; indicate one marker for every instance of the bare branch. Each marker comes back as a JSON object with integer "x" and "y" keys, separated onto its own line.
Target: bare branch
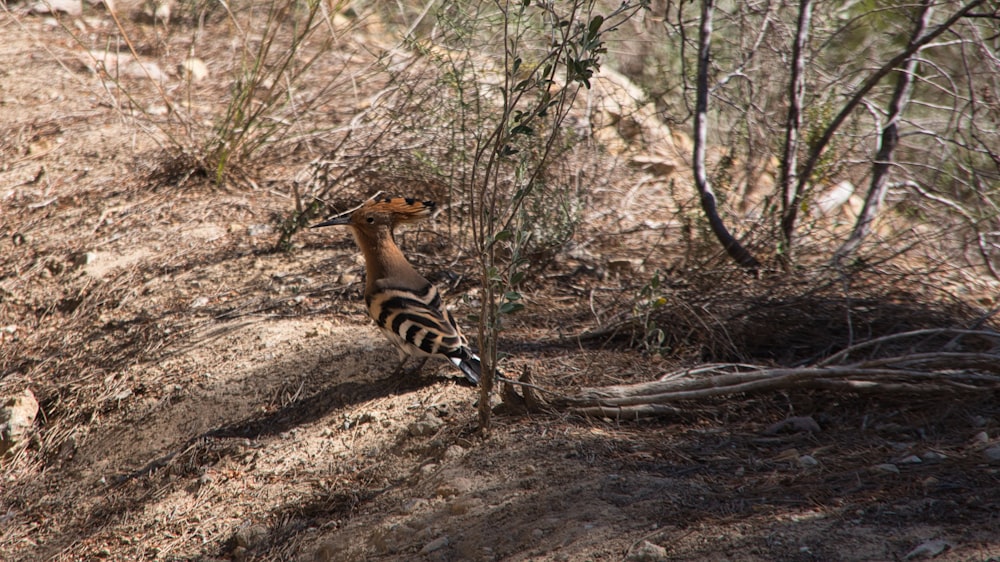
{"x": 793, "y": 122}
{"x": 708, "y": 199}
{"x": 817, "y": 148}
{"x": 889, "y": 140}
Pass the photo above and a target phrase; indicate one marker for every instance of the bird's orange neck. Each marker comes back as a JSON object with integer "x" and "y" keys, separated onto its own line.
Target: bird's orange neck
{"x": 383, "y": 258}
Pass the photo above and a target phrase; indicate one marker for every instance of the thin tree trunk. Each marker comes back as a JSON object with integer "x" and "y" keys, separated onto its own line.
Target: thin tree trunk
{"x": 816, "y": 149}
{"x": 889, "y": 141}
{"x": 793, "y": 123}
{"x": 708, "y": 201}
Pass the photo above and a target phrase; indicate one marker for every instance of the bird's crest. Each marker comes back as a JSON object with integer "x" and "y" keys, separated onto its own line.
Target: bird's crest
{"x": 401, "y": 209}
{"x": 383, "y": 211}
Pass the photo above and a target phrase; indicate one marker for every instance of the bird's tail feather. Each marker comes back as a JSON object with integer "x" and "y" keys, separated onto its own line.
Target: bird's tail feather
{"x": 470, "y": 366}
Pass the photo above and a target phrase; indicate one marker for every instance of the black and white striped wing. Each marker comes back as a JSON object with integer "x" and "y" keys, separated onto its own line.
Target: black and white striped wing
{"x": 415, "y": 320}
{"x": 419, "y": 325}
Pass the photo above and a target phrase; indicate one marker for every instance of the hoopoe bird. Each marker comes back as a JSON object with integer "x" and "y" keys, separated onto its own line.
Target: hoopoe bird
{"x": 405, "y": 305}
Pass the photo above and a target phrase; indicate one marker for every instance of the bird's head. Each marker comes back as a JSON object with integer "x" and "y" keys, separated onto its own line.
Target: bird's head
{"x": 382, "y": 212}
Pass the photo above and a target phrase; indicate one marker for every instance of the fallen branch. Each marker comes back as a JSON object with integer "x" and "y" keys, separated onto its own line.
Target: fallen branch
{"x": 942, "y": 372}
{"x": 760, "y": 380}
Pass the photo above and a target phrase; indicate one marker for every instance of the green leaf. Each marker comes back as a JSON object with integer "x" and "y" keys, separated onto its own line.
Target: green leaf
{"x": 522, "y": 130}
{"x": 502, "y": 236}
{"x": 595, "y": 26}
{"x": 510, "y": 307}
{"x": 516, "y": 278}
{"x": 512, "y": 296}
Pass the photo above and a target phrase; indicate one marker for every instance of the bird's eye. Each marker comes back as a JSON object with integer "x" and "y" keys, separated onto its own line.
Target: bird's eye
{"x": 370, "y": 220}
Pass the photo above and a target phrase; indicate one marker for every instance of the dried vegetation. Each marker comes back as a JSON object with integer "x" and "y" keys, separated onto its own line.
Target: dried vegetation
{"x": 210, "y": 389}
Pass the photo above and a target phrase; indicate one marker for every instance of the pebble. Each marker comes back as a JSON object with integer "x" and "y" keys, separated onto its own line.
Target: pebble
{"x": 258, "y": 229}
{"x": 427, "y": 426}
{"x": 194, "y": 69}
{"x": 795, "y": 424}
{"x": 887, "y": 467}
{"x": 454, "y": 487}
{"x": 454, "y": 452}
{"x": 251, "y": 536}
{"x": 436, "y": 544}
{"x": 17, "y": 414}
{"x": 647, "y": 552}
{"x": 413, "y": 505}
{"x": 808, "y": 461}
{"x": 68, "y": 7}
{"x": 992, "y": 454}
{"x": 929, "y": 549}
{"x": 148, "y": 69}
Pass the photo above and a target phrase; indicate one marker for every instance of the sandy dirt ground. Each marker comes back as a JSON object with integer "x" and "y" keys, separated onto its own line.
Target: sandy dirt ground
{"x": 204, "y": 397}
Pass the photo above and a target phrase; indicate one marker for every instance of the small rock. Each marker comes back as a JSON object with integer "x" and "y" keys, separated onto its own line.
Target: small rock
{"x": 84, "y": 258}
{"x": 347, "y": 279}
{"x": 454, "y": 487}
{"x": 931, "y": 456}
{"x": 413, "y": 505}
{"x": 992, "y": 454}
{"x": 887, "y": 467}
{"x": 251, "y": 536}
{"x": 981, "y": 437}
{"x": 156, "y": 11}
{"x": 647, "y": 552}
{"x": 929, "y": 549}
{"x": 461, "y": 506}
{"x": 149, "y": 69}
{"x": 68, "y": 7}
{"x": 797, "y": 424}
{"x": 194, "y": 69}
{"x": 454, "y": 452}
{"x": 807, "y": 461}
{"x": 427, "y": 426}
{"x": 436, "y": 544}
{"x": 258, "y": 229}
{"x": 912, "y": 459}
{"x": 199, "y": 302}
{"x": 106, "y": 4}
{"x": 17, "y": 414}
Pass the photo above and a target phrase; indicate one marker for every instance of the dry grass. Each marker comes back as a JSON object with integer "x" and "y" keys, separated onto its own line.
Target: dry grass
{"x": 206, "y": 396}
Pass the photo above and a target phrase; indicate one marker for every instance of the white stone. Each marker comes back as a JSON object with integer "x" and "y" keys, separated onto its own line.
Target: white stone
{"x": 194, "y": 69}
{"x": 17, "y": 414}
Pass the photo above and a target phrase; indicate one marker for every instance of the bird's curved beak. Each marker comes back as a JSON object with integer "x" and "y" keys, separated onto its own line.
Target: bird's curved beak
{"x": 338, "y": 220}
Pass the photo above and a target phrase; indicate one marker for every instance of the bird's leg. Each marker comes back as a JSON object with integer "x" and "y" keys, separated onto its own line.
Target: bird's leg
{"x": 399, "y": 368}
{"x": 416, "y": 371}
